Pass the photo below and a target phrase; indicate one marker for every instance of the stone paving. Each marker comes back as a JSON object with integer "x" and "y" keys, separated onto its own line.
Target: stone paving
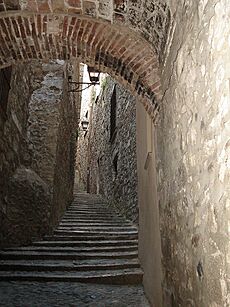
{"x": 27, "y": 294}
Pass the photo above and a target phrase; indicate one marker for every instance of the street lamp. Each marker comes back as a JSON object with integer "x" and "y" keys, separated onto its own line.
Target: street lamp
{"x": 84, "y": 124}
{"x": 93, "y": 77}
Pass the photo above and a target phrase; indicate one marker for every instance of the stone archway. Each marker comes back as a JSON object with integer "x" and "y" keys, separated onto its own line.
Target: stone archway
{"x": 45, "y": 30}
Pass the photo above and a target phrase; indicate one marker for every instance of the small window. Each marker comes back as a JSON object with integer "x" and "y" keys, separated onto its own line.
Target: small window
{"x": 5, "y": 78}
{"x": 113, "y": 115}
{"x": 115, "y": 167}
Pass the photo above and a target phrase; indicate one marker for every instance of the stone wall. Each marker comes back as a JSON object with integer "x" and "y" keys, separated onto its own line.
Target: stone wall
{"x": 20, "y": 185}
{"x": 37, "y": 152}
{"x": 193, "y": 153}
{"x": 112, "y": 162}
{"x": 64, "y": 171}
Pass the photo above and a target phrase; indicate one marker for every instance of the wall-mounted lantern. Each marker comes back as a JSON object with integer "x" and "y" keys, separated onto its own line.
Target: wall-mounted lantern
{"x": 84, "y": 124}
{"x": 94, "y": 76}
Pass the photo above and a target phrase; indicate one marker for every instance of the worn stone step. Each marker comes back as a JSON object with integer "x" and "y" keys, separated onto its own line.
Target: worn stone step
{"x": 91, "y": 220}
{"x": 89, "y": 210}
{"x": 96, "y": 228}
{"x": 83, "y": 214}
{"x": 93, "y": 211}
{"x": 87, "y": 215}
{"x": 65, "y": 256}
{"x": 89, "y": 204}
{"x": 100, "y": 213}
{"x": 69, "y": 249}
{"x": 86, "y": 243}
{"x": 94, "y": 224}
{"x": 128, "y": 276}
{"x": 90, "y": 217}
{"x": 34, "y": 265}
{"x": 93, "y": 232}
{"x": 91, "y": 244}
{"x": 101, "y": 237}
{"x": 104, "y": 223}
{"x": 67, "y": 262}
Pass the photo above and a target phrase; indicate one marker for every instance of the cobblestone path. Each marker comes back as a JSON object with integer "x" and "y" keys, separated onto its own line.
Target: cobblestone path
{"x": 52, "y": 294}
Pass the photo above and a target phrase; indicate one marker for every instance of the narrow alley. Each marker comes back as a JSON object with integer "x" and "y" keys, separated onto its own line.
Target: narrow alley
{"x": 115, "y": 153}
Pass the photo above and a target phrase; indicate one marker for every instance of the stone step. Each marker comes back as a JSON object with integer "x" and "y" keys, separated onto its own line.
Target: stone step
{"x": 69, "y": 249}
{"x": 91, "y": 220}
{"x": 89, "y": 204}
{"x": 20, "y": 265}
{"x": 33, "y": 255}
{"x": 86, "y": 243}
{"x": 91, "y": 209}
{"x": 96, "y": 228}
{"x": 94, "y": 224}
{"x": 128, "y": 276}
{"x": 91, "y": 215}
{"x": 91, "y": 244}
{"x": 95, "y": 214}
{"x": 92, "y": 238}
{"x": 64, "y": 262}
{"x": 89, "y": 212}
{"x": 93, "y": 232}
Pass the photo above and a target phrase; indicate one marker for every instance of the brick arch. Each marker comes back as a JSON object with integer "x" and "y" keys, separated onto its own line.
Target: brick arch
{"x": 114, "y": 49}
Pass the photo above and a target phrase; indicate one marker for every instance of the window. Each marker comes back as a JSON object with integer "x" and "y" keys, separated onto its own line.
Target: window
{"x": 5, "y": 77}
{"x": 115, "y": 166}
{"x": 113, "y": 115}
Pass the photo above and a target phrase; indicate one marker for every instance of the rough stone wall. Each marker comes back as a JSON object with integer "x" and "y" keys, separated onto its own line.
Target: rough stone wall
{"x": 14, "y": 122}
{"x": 19, "y": 185}
{"x": 37, "y": 152}
{"x": 64, "y": 171}
{"x": 51, "y": 132}
{"x": 193, "y": 156}
{"x": 120, "y": 188}
{"x": 44, "y": 117}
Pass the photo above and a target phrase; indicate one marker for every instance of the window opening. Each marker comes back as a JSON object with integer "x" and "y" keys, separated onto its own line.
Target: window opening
{"x": 113, "y": 115}
{"x": 5, "y": 78}
{"x": 115, "y": 165}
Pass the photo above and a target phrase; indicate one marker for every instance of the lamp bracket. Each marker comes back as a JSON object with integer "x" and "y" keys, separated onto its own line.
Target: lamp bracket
{"x": 77, "y": 86}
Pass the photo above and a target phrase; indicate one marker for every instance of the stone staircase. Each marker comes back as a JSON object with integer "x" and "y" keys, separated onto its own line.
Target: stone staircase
{"x": 91, "y": 244}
